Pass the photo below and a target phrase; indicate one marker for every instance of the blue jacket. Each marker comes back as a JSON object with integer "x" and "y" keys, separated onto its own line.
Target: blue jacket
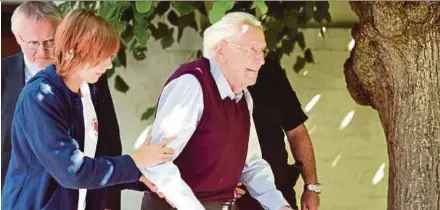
{"x": 47, "y": 166}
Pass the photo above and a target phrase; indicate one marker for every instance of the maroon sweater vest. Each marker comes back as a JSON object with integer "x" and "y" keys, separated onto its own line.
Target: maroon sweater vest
{"x": 213, "y": 159}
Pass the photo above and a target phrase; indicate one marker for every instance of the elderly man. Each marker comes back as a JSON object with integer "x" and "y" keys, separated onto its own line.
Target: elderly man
{"x": 206, "y": 105}
{"x": 34, "y": 25}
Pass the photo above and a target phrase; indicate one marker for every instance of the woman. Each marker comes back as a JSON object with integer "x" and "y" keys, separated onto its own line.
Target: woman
{"x": 55, "y": 127}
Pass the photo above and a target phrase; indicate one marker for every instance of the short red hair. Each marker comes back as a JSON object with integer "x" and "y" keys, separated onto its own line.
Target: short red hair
{"x": 83, "y": 37}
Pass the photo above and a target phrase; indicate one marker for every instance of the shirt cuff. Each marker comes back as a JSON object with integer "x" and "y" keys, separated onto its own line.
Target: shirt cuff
{"x": 274, "y": 201}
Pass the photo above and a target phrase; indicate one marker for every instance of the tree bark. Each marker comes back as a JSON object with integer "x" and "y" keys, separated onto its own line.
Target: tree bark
{"x": 394, "y": 67}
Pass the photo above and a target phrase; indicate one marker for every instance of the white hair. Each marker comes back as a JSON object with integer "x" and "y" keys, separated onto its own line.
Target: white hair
{"x": 35, "y": 10}
{"x": 227, "y": 27}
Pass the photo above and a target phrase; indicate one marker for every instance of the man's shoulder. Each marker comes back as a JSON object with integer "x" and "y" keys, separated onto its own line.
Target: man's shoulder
{"x": 12, "y": 60}
{"x": 40, "y": 91}
{"x": 197, "y": 68}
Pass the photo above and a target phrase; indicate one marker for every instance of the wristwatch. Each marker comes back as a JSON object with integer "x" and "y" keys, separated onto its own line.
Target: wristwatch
{"x": 313, "y": 187}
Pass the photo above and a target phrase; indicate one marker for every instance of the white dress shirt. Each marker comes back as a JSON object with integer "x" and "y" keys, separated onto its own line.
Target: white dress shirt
{"x": 90, "y": 134}
{"x": 178, "y": 114}
{"x": 29, "y": 69}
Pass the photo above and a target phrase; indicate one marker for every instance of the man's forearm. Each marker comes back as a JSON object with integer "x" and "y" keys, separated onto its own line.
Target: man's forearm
{"x": 168, "y": 180}
{"x": 302, "y": 150}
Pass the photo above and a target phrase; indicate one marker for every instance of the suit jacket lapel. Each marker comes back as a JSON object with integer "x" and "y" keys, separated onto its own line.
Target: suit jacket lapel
{"x": 18, "y": 73}
{"x": 16, "y": 78}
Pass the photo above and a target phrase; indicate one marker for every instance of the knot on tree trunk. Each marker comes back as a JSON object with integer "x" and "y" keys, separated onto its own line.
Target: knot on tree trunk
{"x": 395, "y": 68}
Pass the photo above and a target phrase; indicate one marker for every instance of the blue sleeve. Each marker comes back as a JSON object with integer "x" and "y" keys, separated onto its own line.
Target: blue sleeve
{"x": 42, "y": 119}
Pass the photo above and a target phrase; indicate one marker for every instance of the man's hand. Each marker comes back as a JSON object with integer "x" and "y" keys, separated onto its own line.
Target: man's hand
{"x": 309, "y": 200}
{"x": 149, "y": 155}
{"x": 154, "y": 189}
{"x": 238, "y": 191}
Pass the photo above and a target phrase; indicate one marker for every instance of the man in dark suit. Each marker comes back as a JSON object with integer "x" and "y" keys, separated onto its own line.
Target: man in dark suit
{"x": 33, "y": 25}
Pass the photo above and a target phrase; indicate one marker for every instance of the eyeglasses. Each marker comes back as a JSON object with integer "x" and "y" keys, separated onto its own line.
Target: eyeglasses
{"x": 264, "y": 52}
{"x": 34, "y": 45}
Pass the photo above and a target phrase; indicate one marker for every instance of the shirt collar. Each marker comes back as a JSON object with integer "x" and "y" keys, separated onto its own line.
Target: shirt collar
{"x": 222, "y": 84}
{"x": 32, "y": 68}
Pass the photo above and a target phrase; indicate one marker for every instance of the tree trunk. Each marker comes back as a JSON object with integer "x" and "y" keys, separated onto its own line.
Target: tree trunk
{"x": 395, "y": 68}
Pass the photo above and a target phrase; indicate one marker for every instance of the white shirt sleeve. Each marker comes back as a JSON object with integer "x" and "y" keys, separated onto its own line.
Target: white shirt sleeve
{"x": 257, "y": 175}
{"x": 178, "y": 114}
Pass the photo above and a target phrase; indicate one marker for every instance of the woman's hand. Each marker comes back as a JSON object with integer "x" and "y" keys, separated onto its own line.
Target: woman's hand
{"x": 149, "y": 155}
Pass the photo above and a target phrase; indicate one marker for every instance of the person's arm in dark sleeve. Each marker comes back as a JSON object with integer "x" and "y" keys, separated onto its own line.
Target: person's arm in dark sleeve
{"x": 294, "y": 116}
{"x": 296, "y": 132}
{"x": 106, "y": 113}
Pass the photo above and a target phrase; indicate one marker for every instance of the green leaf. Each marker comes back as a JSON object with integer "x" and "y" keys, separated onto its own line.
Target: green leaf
{"x": 119, "y": 26}
{"x": 321, "y": 11}
{"x": 179, "y": 34}
{"x": 87, "y": 4}
{"x": 309, "y": 8}
{"x": 219, "y": 9}
{"x": 121, "y": 56}
{"x": 110, "y": 72}
{"x": 301, "y": 41}
{"x": 204, "y": 24}
{"x": 121, "y": 85}
{"x": 274, "y": 24}
{"x": 183, "y": 7}
{"x": 188, "y": 20}
{"x": 162, "y": 7}
{"x": 172, "y": 18}
{"x": 322, "y": 5}
{"x": 66, "y": 7}
{"x": 127, "y": 14}
{"x": 168, "y": 40}
{"x": 124, "y": 4}
{"x": 271, "y": 40}
{"x": 185, "y": 21}
{"x": 199, "y": 53}
{"x": 108, "y": 10}
{"x": 300, "y": 63}
{"x": 287, "y": 46}
{"x": 138, "y": 51}
{"x": 138, "y": 54}
{"x": 261, "y": 5}
{"x": 327, "y": 17}
{"x": 120, "y": 59}
{"x": 291, "y": 21}
{"x": 144, "y": 6}
{"x": 318, "y": 16}
{"x": 116, "y": 62}
{"x": 141, "y": 19}
{"x": 127, "y": 35}
{"x": 292, "y": 33}
{"x": 200, "y": 6}
{"x": 142, "y": 35}
{"x": 161, "y": 30}
{"x": 309, "y": 56}
{"x": 148, "y": 113}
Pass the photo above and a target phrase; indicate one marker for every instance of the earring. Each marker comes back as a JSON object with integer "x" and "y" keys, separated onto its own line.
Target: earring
{"x": 70, "y": 55}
